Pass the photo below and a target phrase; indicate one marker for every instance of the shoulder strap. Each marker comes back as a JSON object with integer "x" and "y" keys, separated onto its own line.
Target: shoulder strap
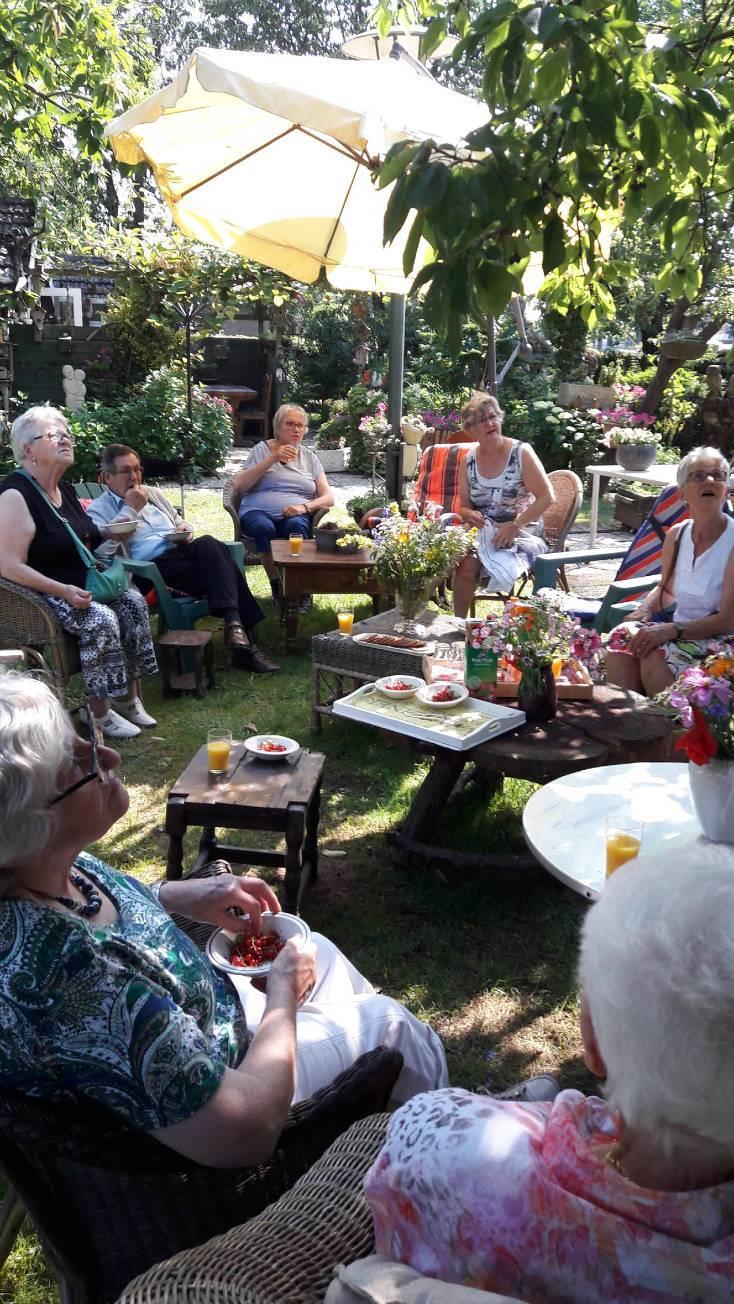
{"x": 671, "y": 569}
{"x": 87, "y": 557}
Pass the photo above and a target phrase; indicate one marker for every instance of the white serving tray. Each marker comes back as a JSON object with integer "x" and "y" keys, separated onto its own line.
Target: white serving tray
{"x": 465, "y": 726}
{"x": 426, "y": 650}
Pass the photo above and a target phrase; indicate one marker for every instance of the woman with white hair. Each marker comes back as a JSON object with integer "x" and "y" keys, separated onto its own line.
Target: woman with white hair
{"x": 583, "y": 1200}
{"x": 281, "y": 485}
{"x": 694, "y": 602}
{"x": 37, "y": 551}
{"x": 103, "y": 998}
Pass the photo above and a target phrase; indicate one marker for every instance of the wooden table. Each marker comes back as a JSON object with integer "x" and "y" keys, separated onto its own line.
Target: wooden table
{"x": 276, "y": 796}
{"x": 313, "y": 571}
{"x": 232, "y": 394}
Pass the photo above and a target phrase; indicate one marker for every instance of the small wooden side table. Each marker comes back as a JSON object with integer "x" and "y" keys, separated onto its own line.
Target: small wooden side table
{"x": 313, "y": 571}
{"x": 177, "y": 648}
{"x": 274, "y": 796}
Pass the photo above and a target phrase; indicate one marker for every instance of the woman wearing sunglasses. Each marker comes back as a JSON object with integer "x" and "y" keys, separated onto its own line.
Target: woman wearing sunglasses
{"x": 37, "y": 551}
{"x": 104, "y": 998}
{"x": 693, "y": 604}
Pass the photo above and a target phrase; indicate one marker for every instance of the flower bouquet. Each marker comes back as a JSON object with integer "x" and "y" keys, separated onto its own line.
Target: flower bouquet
{"x": 702, "y": 701}
{"x": 409, "y": 555}
{"x": 532, "y": 634}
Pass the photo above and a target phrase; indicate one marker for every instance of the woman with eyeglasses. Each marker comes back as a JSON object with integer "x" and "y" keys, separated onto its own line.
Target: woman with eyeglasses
{"x": 281, "y": 486}
{"x": 693, "y": 605}
{"x": 38, "y": 552}
{"x": 504, "y": 492}
{"x": 104, "y": 998}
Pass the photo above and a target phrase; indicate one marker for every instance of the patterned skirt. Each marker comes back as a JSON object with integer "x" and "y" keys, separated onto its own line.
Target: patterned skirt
{"x": 115, "y": 642}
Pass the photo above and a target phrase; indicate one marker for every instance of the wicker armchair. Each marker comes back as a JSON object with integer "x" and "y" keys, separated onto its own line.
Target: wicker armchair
{"x": 27, "y": 622}
{"x": 108, "y": 1200}
{"x": 286, "y": 1254}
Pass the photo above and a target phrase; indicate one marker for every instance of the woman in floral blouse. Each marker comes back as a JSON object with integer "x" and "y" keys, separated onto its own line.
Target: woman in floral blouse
{"x": 103, "y": 997}
{"x": 583, "y": 1200}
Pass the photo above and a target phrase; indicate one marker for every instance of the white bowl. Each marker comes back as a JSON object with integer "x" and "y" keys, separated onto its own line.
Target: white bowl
{"x": 459, "y": 694}
{"x": 121, "y": 529}
{"x": 177, "y": 536}
{"x": 253, "y": 746}
{"x": 383, "y": 685}
{"x": 219, "y": 946}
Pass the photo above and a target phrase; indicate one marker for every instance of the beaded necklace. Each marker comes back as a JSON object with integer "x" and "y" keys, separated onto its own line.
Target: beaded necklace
{"x": 88, "y": 908}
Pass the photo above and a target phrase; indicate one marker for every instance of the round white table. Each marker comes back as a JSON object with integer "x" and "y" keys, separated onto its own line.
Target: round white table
{"x": 563, "y": 822}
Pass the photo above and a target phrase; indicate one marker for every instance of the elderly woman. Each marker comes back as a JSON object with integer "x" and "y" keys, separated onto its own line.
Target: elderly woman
{"x": 694, "y": 601}
{"x": 583, "y": 1200}
{"x": 104, "y": 997}
{"x": 281, "y": 487}
{"x": 504, "y": 491}
{"x": 37, "y": 550}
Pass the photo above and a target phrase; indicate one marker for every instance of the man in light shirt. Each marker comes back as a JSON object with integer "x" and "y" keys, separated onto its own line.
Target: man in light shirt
{"x": 202, "y": 567}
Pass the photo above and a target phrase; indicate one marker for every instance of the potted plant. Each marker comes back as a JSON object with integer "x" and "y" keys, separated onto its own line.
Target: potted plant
{"x": 702, "y": 701}
{"x": 636, "y": 446}
{"x": 363, "y": 504}
{"x": 330, "y": 445}
{"x": 333, "y": 525}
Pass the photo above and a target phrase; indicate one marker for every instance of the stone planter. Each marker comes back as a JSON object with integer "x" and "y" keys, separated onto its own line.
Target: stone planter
{"x": 578, "y": 394}
{"x": 333, "y": 460}
{"x": 325, "y": 540}
{"x": 636, "y": 457}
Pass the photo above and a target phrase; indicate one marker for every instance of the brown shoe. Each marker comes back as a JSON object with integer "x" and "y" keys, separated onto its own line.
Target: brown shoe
{"x": 251, "y": 658}
{"x": 235, "y": 636}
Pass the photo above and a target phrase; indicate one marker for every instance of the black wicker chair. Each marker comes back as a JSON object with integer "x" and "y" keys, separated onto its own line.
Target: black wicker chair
{"x": 108, "y": 1201}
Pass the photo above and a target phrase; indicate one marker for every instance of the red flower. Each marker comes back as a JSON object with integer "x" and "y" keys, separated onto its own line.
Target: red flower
{"x": 698, "y": 743}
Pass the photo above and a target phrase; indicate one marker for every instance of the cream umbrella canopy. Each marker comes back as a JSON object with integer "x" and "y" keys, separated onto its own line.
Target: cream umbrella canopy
{"x": 269, "y": 156}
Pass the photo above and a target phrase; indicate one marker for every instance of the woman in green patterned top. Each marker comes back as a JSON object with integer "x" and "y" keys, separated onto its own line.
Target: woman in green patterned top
{"x": 103, "y": 997}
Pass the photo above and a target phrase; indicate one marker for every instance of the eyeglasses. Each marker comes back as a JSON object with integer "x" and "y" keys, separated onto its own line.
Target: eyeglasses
{"x": 295, "y": 425}
{"x": 92, "y": 734}
{"x": 698, "y": 477}
{"x": 56, "y": 437}
{"x": 127, "y": 470}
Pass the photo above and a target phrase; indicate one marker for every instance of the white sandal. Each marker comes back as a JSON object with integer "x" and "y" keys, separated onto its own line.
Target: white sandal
{"x": 114, "y": 726}
{"x": 135, "y": 712}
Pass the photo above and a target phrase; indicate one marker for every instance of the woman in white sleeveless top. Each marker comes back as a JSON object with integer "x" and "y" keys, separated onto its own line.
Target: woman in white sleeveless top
{"x": 504, "y": 491}
{"x": 693, "y": 606}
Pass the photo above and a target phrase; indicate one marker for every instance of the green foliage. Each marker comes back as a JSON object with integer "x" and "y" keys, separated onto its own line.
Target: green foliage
{"x": 589, "y": 120}
{"x": 65, "y": 67}
{"x": 568, "y": 333}
{"x": 680, "y": 402}
{"x": 566, "y": 437}
{"x": 345, "y": 415}
{"x": 155, "y": 423}
{"x": 362, "y": 503}
{"x": 157, "y": 284}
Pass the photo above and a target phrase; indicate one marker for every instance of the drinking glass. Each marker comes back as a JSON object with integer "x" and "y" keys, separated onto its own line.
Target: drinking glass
{"x": 218, "y": 745}
{"x": 295, "y": 540}
{"x": 346, "y": 620}
{"x": 622, "y": 838}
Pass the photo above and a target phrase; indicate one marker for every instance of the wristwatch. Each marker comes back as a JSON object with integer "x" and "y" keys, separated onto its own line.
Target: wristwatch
{"x": 678, "y": 630}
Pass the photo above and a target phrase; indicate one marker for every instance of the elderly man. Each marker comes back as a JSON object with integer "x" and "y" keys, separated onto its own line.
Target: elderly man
{"x": 201, "y": 566}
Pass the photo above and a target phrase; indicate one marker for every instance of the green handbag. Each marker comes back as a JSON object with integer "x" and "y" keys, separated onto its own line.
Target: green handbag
{"x": 105, "y": 580}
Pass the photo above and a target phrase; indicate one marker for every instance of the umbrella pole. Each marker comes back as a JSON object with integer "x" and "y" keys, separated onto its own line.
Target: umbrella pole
{"x": 393, "y": 457}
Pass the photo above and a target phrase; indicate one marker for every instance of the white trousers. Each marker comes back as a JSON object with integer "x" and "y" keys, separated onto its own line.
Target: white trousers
{"x": 343, "y": 1018}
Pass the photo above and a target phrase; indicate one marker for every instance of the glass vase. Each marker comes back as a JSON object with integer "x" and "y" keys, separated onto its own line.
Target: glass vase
{"x": 410, "y": 599}
{"x": 536, "y": 693}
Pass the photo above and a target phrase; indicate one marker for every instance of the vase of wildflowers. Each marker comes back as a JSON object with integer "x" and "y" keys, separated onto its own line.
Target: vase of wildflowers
{"x": 533, "y": 633}
{"x": 409, "y": 555}
{"x": 702, "y": 701}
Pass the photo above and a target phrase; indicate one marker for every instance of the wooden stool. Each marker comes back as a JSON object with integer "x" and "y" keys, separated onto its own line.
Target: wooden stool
{"x": 177, "y": 648}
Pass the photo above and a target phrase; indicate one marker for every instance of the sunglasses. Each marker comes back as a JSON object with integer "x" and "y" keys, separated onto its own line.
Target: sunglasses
{"x": 90, "y": 732}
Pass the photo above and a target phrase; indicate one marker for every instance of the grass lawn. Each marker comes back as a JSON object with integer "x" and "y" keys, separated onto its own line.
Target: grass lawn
{"x": 489, "y": 959}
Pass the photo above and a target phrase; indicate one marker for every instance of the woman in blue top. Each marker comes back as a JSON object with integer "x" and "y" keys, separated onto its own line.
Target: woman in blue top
{"x": 281, "y": 487}
{"x": 102, "y": 997}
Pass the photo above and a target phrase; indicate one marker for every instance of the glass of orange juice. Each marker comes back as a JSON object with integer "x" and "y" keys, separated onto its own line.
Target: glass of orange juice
{"x": 295, "y": 540}
{"x": 218, "y": 746}
{"x": 622, "y": 838}
{"x": 557, "y": 666}
{"x": 346, "y": 620}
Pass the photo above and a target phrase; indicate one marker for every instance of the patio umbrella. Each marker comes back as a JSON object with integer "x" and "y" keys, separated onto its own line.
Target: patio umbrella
{"x": 269, "y": 155}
